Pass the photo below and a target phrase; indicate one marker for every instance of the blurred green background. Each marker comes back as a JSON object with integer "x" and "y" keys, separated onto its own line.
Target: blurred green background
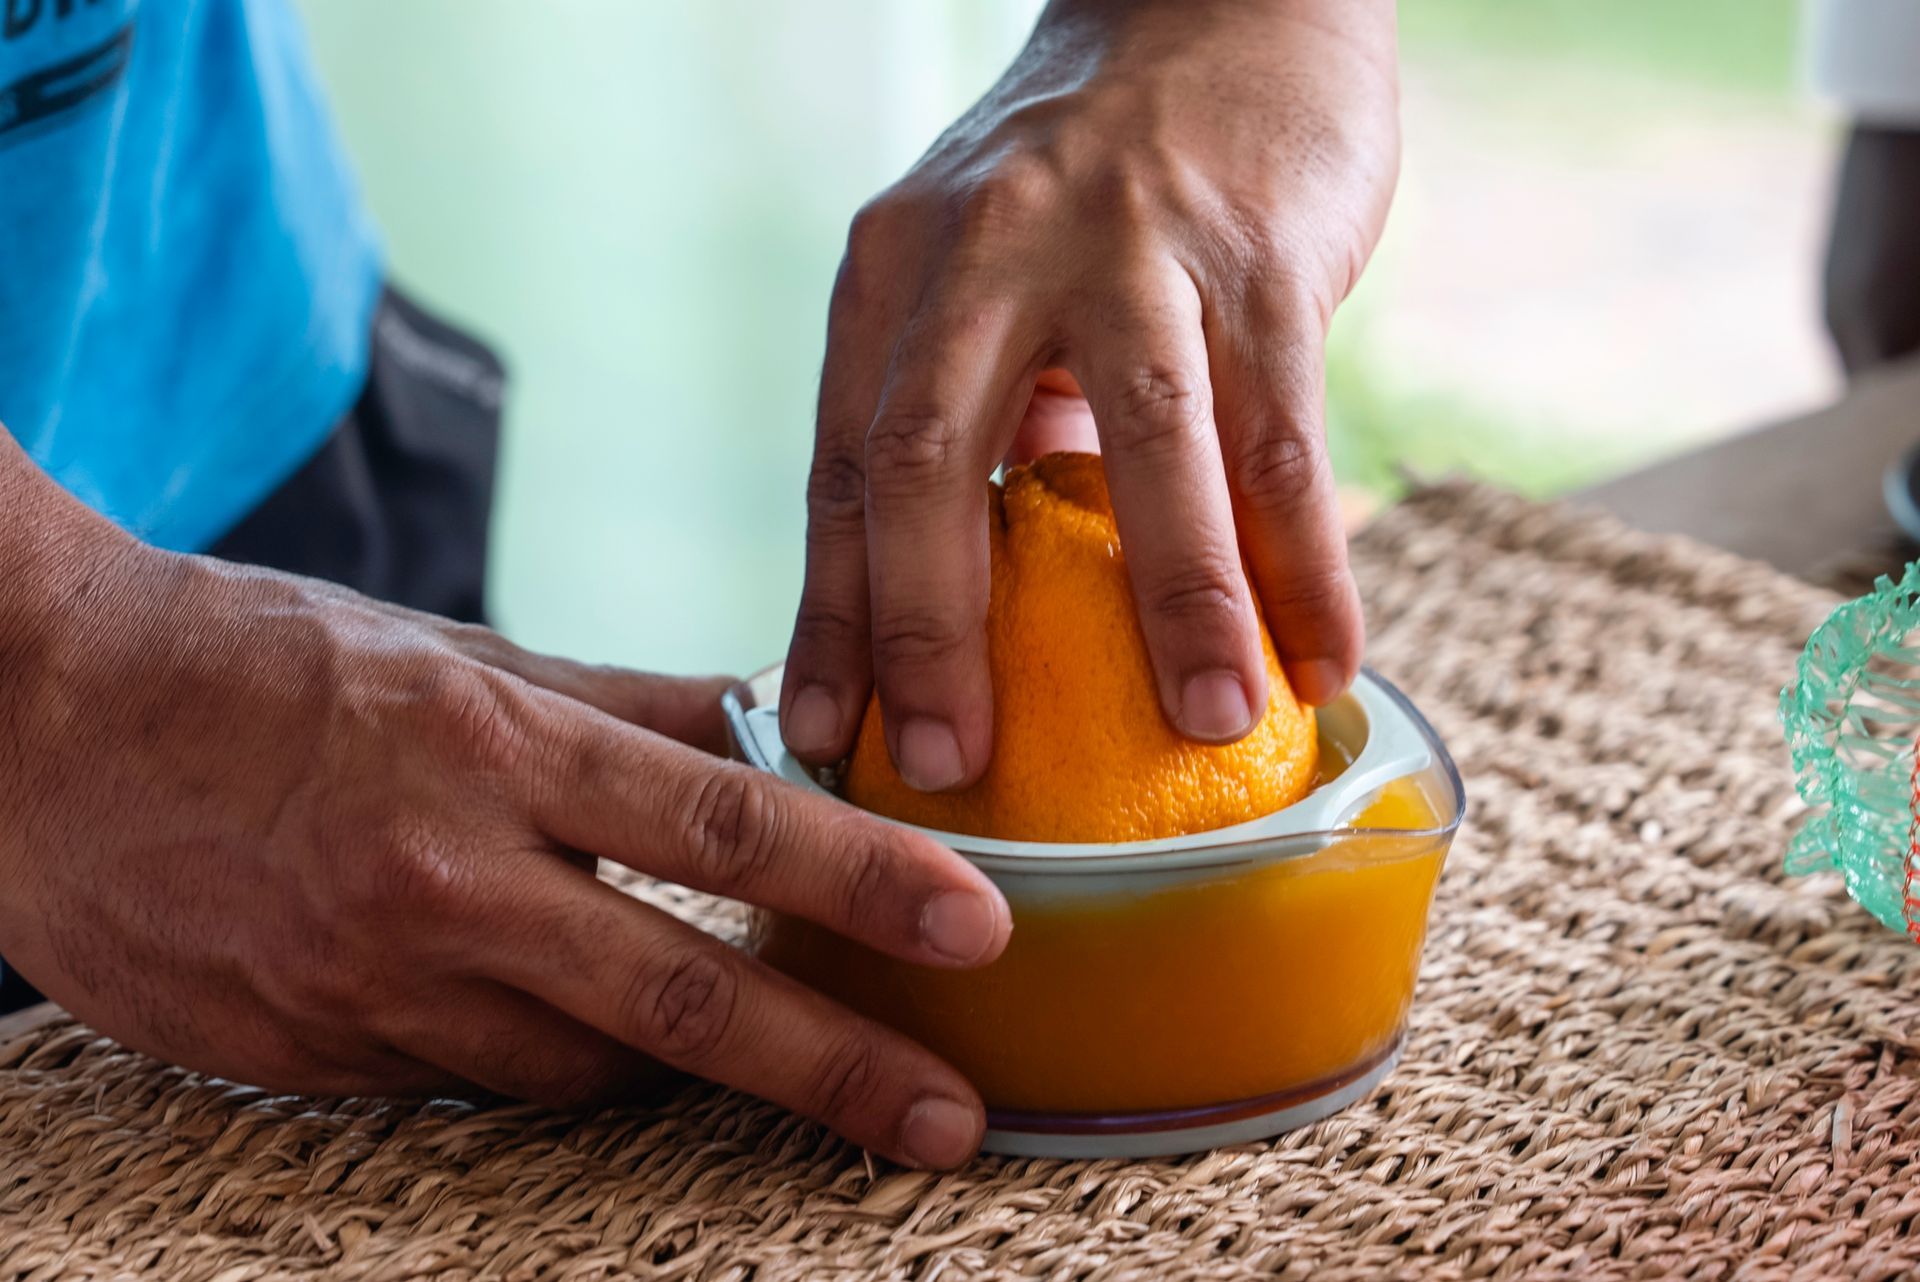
{"x": 1602, "y": 249}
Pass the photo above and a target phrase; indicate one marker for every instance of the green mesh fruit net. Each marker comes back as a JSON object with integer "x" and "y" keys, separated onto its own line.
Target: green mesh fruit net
{"x": 1852, "y": 717}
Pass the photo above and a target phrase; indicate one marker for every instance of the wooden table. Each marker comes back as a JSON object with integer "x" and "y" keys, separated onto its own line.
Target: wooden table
{"x": 1804, "y": 495}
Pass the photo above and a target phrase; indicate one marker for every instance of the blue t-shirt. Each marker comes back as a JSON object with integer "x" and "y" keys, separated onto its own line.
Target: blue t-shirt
{"x": 187, "y": 271}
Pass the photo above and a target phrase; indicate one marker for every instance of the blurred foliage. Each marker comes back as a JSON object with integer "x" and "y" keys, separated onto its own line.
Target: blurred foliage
{"x": 1379, "y": 437}
{"x": 1740, "y": 45}
{"x": 1381, "y": 441}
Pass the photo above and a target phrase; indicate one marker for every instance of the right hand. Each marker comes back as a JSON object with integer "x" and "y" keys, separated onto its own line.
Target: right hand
{"x": 271, "y": 830}
{"x": 1164, "y": 200}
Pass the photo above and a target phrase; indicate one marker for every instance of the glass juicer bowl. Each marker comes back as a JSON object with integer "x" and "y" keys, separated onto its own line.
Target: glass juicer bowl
{"x": 1167, "y": 996}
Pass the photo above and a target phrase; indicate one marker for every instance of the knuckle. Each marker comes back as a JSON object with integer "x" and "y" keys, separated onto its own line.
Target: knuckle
{"x": 1310, "y": 592}
{"x": 868, "y": 877}
{"x": 410, "y": 871}
{"x": 825, "y": 626}
{"x": 684, "y": 1012}
{"x": 1241, "y": 240}
{"x": 837, "y": 490}
{"x": 476, "y": 719}
{"x": 733, "y": 829}
{"x": 913, "y": 635}
{"x": 846, "y": 1078}
{"x": 377, "y": 867}
{"x": 1278, "y": 468}
{"x": 1206, "y": 595}
{"x": 878, "y": 222}
{"x": 910, "y": 451}
{"x": 874, "y": 238}
{"x": 1136, "y": 189}
{"x": 1160, "y": 408}
{"x": 1284, "y": 294}
{"x": 1019, "y": 191}
{"x": 474, "y": 638}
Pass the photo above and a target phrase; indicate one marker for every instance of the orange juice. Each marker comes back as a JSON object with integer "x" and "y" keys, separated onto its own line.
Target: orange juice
{"x": 1170, "y": 991}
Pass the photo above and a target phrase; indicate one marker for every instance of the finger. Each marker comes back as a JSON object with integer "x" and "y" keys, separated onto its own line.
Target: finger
{"x": 954, "y": 395}
{"x": 661, "y": 986}
{"x": 1269, "y": 380}
{"x": 683, "y": 708}
{"x": 829, "y": 669}
{"x": 733, "y": 831}
{"x": 1058, "y": 420}
{"x": 1143, "y": 361}
{"x": 507, "y": 1042}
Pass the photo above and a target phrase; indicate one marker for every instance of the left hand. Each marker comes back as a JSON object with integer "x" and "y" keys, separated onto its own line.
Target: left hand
{"x": 1162, "y": 202}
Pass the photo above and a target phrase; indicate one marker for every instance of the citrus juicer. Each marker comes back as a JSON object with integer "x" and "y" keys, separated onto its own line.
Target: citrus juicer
{"x": 1852, "y": 716}
{"x": 1170, "y": 995}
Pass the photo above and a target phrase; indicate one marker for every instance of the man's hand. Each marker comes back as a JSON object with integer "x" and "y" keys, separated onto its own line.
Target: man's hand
{"x": 1162, "y": 202}
{"x": 268, "y": 829}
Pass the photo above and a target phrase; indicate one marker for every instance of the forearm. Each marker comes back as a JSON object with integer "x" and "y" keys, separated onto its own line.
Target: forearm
{"x": 45, "y": 536}
{"x": 51, "y": 546}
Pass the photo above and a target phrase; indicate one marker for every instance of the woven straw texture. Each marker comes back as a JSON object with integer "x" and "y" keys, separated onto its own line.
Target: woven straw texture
{"x": 1638, "y": 1051}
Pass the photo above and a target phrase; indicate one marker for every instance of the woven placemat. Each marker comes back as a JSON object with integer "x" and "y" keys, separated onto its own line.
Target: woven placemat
{"x": 1638, "y": 1050}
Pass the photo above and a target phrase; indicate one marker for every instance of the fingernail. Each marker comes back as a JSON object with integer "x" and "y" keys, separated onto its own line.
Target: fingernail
{"x": 940, "y": 1133}
{"x": 1214, "y": 706}
{"x": 930, "y": 757}
{"x": 1317, "y": 681}
{"x": 959, "y": 925}
{"x": 813, "y": 721}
